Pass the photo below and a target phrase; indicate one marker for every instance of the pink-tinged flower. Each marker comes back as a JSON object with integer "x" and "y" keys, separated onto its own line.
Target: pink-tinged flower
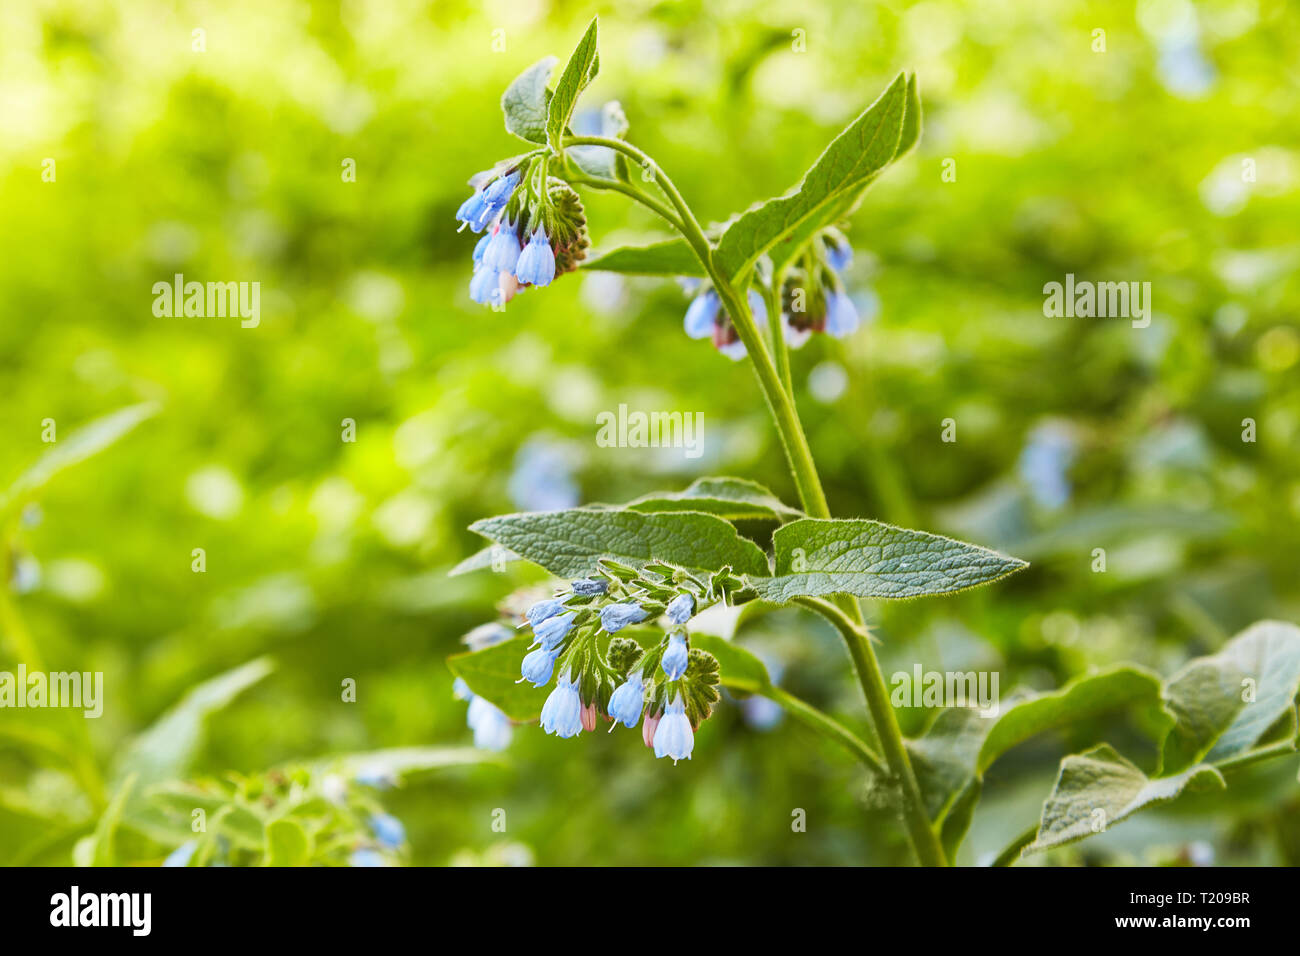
{"x": 589, "y": 717}
{"x": 648, "y": 729}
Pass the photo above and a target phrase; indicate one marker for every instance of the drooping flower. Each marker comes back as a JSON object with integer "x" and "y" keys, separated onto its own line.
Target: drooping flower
{"x": 648, "y": 728}
{"x": 388, "y": 830}
{"x": 562, "y": 712}
{"x": 491, "y": 726}
{"x": 681, "y": 608}
{"x": 673, "y": 736}
{"x": 628, "y": 699}
{"x": 536, "y": 265}
{"x": 492, "y": 730}
{"x": 615, "y": 617}
{"x": 485, "y": 286}
{"x": 725, "y": 337}
{"x": 841, "y": 315}
{"x": 589, "y": 716}
{"x": 480, "y": 247}
{"x": 502, "y": 252}
{"x": 552, "y": 631}
{"x": 497, "y": 193}
{"x": 471, "y": 210}
{"x": 543, "y": 609}
{"x": 537, "y": 666}
{"x": 839, "y": 254}
{"x": 676, "y": 657}
{"x": 701, "y": 315}
{"x": 795, "y": 336}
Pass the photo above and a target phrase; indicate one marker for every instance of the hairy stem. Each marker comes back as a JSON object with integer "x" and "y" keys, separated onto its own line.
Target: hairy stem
{"x": 828, "y": 727}
{"x": 803, "y": 470}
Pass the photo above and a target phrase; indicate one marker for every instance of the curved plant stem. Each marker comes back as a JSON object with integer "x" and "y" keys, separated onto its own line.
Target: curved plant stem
{"x": 828, "y": 727}
{"x": 631, "y": 192}
{"x": 813, "y": 498}
{"x": 1013, "y": 849}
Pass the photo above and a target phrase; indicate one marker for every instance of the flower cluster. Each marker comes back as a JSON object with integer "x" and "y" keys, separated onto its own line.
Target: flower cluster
{"x": 813, "y": 298}
{"x": 533, "y": 229}
{"x": 617, "y": 678}
{"x": 706, "y": 319}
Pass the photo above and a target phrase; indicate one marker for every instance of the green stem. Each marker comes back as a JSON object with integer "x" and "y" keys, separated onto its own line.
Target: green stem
{"x": 772, "y": 293}
{"x": 1014, "y": 848}
{"x": 808, "y": 484}
{"x": 631, "y": 192}
{"x": 829, "y": 727}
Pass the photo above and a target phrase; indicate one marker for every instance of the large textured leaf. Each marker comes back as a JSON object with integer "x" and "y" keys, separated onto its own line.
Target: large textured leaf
{"x": 865, "y": 147}
{"x": 817, "y": 556}
{"x": 569, "y": 543}
{"x": 732, "y": 499}
{"x": 1099, "y": 788}
{"x": 950, "y": 759}
{"x": 669, "y": 257}
{"x": 1224, "y": 704}
{"x": 88, "y": 440}
{"x": 526, "y": 101}
{"x": 165, "y": 750}
{"x": 792, "y": 243}
{"x": 1085, "y": 697}
{"x": 581, "y": 69}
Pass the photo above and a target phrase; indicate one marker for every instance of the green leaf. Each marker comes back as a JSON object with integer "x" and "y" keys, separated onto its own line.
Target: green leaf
{"x": 165, "y": 750}
{"x": 950, "y": 759}
{"x": 732, "y": 499}
{"x": 817, "y": 556}
{"x": 287, "y": 844}
{"x": 864, "y": 148}
{"x": 88, "y": 440}
{"x": 944, "y": 758}
{"x": 668, "y": 257}
{"x": 1214, "y": 720}
{"x": 493, "y": 674}
{"x": 526, "y": 100}
{"x": 740, "y": 669}
{"x": 569, "y": 543}
{"x": 843, "y": 207}
{"x": 1099, "y": 788}
{"x": 911, "y": 133}
{"x": 583, "y": 65}
{"x": 1083, "y": 698}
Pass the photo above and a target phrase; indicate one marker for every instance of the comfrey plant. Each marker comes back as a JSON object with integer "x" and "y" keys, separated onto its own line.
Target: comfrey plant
{"x": 613, "y": 645}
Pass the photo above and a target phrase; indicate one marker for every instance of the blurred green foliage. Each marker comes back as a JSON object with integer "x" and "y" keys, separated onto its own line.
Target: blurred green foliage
{"x": 330, "y": 556}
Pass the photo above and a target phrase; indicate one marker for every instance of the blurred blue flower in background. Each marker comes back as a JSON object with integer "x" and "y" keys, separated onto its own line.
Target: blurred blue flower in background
{"x": 542, "y": 479}
{"x": 1045, "y": 462}
{"x": 388, "y": 830}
